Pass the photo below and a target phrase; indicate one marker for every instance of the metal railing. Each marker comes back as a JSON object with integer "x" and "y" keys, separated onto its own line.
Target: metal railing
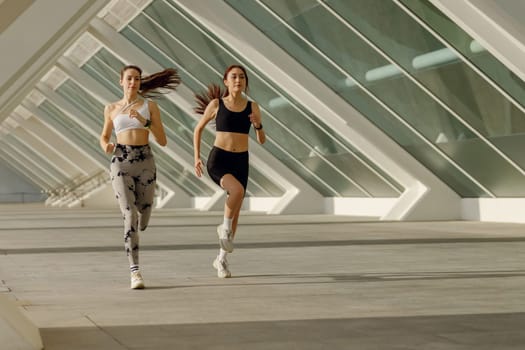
{"x": 76, "y": 189}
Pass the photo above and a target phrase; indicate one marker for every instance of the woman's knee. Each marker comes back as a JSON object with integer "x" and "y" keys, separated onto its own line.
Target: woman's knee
{"x": 238, "y": 190}
{"x": 231, "y": 184}
{"x": 131, "y": 214}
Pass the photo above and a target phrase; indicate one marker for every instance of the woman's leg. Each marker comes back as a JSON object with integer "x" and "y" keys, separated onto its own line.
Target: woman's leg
{"x": 235, "y": 220}
{"x": 235, "y": 196}
{"x": 233, "y": 203}
{"x": 124, "y": 187}
{"x": 145, "y": 192}
{"x": 232, "y": 207}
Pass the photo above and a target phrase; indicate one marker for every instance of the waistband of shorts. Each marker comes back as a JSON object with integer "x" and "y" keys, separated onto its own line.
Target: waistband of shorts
{"x": 229, "y": 152}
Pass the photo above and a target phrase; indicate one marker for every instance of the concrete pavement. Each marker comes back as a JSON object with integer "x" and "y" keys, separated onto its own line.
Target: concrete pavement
{"x": 299, "y": 282}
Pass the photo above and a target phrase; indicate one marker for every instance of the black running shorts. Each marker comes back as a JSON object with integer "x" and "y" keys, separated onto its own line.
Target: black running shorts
{"x": 221, "y": 162}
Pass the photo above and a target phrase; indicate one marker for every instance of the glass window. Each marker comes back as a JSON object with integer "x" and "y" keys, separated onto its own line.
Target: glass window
{"x": 339, "y": 56}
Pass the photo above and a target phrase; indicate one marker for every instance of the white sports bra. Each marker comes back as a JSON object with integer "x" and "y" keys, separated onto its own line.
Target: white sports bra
{"x": 123, "y": 122}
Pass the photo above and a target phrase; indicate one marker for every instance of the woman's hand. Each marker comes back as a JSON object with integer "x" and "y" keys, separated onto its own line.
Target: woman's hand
{"x": 110, "y": 147}
{"x": 133, "y": 113}
{"x": 255, "y": 119}
{"x": 198, "y": 167}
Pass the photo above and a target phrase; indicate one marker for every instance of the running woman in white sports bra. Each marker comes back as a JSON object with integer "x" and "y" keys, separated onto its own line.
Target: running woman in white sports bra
{"x": 132, "y": 169}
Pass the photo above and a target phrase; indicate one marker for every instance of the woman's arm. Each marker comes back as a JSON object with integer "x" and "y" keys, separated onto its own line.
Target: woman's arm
{"x": 156, "y": 127}
{"x": 107, "y": 129}
{"x": 255, "y": 118}
{"x": 207, "y": 116}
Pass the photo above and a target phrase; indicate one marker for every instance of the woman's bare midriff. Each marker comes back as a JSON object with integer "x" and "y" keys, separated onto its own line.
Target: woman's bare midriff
{"x": 231, "y": 141}
{"x": 133, "y": 137}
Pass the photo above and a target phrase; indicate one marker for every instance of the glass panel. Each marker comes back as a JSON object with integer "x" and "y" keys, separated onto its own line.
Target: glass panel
{"x": 450, "y": 79}
{"x": 468, "y": 47}
{"x": 427, "y": 59}
{"x": 416, "y": 146}
{"x": 346, "y": 54}
{"x": 506, "y": 127}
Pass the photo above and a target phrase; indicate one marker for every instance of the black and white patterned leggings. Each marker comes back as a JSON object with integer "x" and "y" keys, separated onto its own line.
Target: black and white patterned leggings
{"x": 133, "y": 176}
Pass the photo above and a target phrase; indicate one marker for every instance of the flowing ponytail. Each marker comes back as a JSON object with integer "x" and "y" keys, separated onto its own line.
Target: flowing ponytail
{"x": 204, "y": 98}
{"x": 156, "y": 84}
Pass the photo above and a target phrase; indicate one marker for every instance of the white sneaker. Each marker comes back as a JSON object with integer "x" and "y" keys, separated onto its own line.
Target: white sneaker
{"x": 137, "y": 282}
{"x": 225, "y": 238}
{"x": 222, "y": 268}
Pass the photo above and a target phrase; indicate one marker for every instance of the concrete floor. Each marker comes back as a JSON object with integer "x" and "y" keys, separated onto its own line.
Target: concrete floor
{"x": 299, "y": 282}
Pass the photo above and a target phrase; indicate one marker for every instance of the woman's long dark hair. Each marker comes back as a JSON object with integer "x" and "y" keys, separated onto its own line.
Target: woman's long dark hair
{"x": 204, "y": 98}
{"x": 215, "y": 91}
{"x": 155, "y": 84}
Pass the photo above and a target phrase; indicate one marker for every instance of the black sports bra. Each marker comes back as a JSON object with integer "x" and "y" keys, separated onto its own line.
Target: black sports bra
{"x": 230, "y": 121}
